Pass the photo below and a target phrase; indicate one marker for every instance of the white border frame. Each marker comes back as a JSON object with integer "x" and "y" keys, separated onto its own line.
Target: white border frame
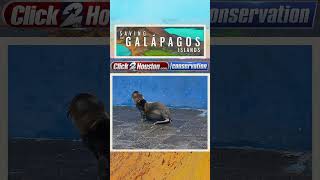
{"x": 160, "y": 74}
{"x": 159, "y": 57}
{"x": 4, "y": 170}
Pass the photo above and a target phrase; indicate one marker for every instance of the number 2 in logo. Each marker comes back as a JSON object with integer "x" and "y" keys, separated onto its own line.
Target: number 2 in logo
{"x": 73, "y": 10}
{"x": 133, "y": 66}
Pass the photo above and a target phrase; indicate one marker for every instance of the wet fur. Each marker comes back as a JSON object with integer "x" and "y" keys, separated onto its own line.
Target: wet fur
{"x": 154, "y": 111}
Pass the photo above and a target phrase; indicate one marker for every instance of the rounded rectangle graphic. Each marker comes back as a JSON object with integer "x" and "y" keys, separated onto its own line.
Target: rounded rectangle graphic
{"x": 139, "y": 65}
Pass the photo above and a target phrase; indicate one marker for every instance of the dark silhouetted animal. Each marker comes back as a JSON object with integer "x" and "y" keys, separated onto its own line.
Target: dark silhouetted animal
{"x": 90, "y": 118}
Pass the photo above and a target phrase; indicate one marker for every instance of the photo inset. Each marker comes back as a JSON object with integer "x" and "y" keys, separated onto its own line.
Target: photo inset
{"x": 160, "y": 112}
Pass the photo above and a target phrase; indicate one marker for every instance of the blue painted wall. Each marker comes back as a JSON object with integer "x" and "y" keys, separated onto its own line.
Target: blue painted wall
{"x": 262, "y": 96}
{"x": 43, "y": 80}
{"x": 178, "y": 91}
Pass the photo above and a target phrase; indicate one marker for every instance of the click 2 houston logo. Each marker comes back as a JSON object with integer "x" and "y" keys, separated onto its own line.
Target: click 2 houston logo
{"x": 159, "y": 65}
{"x": 139, "y": 66}
{"x": 160, "y": 41}
{"x": 249, "y": 14}
{"x": 57, "y": 14}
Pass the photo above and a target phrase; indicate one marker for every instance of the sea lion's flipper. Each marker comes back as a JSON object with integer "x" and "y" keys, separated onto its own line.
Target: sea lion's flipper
{"x": 162, "y": 122}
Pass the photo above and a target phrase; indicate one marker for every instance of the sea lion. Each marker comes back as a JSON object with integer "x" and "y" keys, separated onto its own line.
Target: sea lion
{"x": 154, "y": 111}
{"x": 89, "y": 116}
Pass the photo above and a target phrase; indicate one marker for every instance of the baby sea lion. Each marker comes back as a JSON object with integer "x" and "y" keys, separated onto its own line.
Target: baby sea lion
{"x": 89, "y": 116}
{"x": 153, "y": 111}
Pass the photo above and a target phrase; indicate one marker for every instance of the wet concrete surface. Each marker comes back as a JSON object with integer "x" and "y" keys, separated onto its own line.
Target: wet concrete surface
{"x": 31, "y": 159}
{"x": 258, "y": 164}
{"x": 188, "y": 130}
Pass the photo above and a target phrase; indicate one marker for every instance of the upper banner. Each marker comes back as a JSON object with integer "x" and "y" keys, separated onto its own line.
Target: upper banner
{"x": 55, "y": 18}
{"x": 91, "y": 18}
{"x": 264, "y": 19}
{"x": 57, "y": 14}
{"x": 263, "y": 14}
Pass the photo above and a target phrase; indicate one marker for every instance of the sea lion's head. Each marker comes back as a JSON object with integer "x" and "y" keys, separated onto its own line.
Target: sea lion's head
{"x": 136, "y": 97}
{"x": 85, "y": 110}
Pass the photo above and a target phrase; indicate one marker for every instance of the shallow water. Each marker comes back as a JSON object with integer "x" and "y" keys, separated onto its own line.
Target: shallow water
{"x": 188, "y": 130}
{"x": 123, "y": 50}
